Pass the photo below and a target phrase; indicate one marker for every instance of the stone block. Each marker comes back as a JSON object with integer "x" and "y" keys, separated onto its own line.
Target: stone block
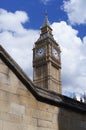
{"x": 12, "y": 126}
{"x": 2, "y": 94}
{"x": 8, "y": 96}
{"x": 1, "y": 128}
{"x": 45, "y": 107}
{"x": 4, "y": 106}
{"x": 44, "y": 123}
{"x": 22, "y": 92}
{"x": 17, "y": 109}
{"x": 11, "y": 117}
{"x": 28, "y": 102}
{"x": 30, "y": 127}
{"x": 43, "y": 115}
{"x": 28, "y": 120}
{"x": 31, "y": 112}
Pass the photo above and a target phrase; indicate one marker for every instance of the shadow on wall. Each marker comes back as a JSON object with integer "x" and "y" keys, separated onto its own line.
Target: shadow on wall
{"x": 68, "y": 119}
{"x": 64, "y": 121}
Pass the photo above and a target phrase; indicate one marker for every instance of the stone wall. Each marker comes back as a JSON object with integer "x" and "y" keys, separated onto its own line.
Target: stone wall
{"x": 19, "y": 109}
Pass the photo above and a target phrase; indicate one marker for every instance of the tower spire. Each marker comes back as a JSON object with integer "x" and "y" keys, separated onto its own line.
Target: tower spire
{"x": 46, "y": 21}
{"x": 46, "y": 26}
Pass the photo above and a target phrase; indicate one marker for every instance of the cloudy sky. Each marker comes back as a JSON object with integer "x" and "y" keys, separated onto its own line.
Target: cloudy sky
{"x": 20, "y": 23}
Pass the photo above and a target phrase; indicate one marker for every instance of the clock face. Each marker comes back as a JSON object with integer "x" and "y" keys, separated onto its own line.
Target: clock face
{"x": 40, "y": 52}
{"x": 55, "y": 53}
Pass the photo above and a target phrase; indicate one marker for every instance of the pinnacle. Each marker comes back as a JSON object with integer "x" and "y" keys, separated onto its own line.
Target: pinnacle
{"x": 46, "y": 21}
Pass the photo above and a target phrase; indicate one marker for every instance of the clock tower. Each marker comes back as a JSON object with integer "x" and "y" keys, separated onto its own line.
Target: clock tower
{"x": 47, "y": 60}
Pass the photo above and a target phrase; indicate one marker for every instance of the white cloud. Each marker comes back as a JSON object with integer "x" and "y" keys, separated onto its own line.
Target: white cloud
{"x": 19, "y": 44}
{"x": 12, "y": 21}
{"x": 76, "y": 11}
{"x": 73, "y": 57}
{"x": 17, "y": 40}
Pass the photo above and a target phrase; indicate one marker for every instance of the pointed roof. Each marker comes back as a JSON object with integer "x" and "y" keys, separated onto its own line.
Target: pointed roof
{"x": 46, "y": 21}
{"x": 46, "y": 30}
{"x": 46, "y": 26}
{"x": 41, "y": 94}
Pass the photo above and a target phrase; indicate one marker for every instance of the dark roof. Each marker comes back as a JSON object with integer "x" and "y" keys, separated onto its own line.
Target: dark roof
{"x": 41, "y": 94}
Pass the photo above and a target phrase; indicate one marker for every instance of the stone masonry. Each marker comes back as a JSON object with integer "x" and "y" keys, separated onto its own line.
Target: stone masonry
{"x": 21, "y": 110}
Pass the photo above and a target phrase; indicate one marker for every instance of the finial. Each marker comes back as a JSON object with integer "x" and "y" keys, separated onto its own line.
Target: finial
{"x": 81, "y": 99}
{"x": 46, "y": 21}
{"x": 46, "y": 13}
{"x": 84, "y": 97}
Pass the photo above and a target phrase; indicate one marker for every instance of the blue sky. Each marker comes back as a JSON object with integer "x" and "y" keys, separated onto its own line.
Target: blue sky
{"x": 20, "y": 23}
{"x": 36, "y": 10}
